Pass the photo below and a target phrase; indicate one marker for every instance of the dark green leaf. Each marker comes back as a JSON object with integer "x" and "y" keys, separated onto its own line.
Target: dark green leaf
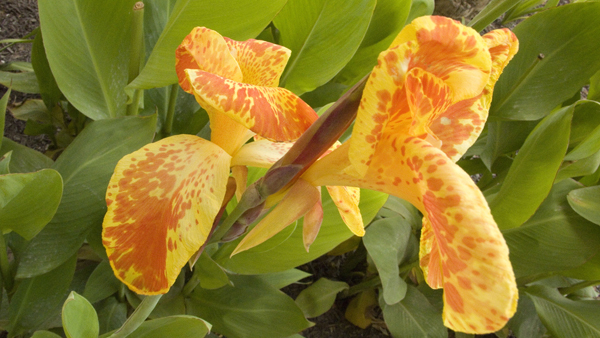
{"x": 564, "y": 317}
{"x": 111, "y": 314}
{"x": 24, "y": 82}
{"x": 284, "y": 278}
{"x": 586, "y": 202}
{"x": 48, "y": 87}
{"x": 28, "y": 201}
{"x": 555, "y": 238}
{"x": 491, "y": 12}
{"x": 252, "y": 308}
{"x": 86, "y": 167}
{"x": 323, "y": 36}
{"x": 318, "y": 298}
{"x": 386, "y": 241}
{"x": 553, "y": 62}
{"x": 23, "y": 159}
{"x": 533, "y": 171}
{"x": 211, "y": 274}
{"x": 585, "y": 131}
{"x": 102, "y": 283}
{"x": 172, "y": 327}
{"x": 39, "y": 298}
{"x": 525, "y": 322}
{"x": 79, "y": 317}
{"x": 236, "y": 19}
{"x": 504, "y": 137}
{"x": 413, "y": 316}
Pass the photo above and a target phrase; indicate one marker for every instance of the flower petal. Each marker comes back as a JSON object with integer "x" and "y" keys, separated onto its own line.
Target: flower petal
{"x": 274, "y": 113}
{"x": 261, "y": 62}
{"x": 462, "y": 249}
{"x": 262, "y": 153}
{"x": 300, "y": 198}
{"x": 162, "y": 200}
{"x": 312, "y": 223}
{"x": 206, "y": 50}
{"x": 346, "y": 199}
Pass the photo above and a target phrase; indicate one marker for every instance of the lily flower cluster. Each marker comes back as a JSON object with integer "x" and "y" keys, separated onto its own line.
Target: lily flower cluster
{"x": 422, "y": 107}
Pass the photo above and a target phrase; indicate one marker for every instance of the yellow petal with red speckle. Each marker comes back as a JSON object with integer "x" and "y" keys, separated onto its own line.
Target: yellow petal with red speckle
{"x": 206, "y": 50}
{"x": 462, "y": 249}
{"x": 346, "y": 199}
{"x": 261, "y": 62}
{"x": 162, "y": 200}
{"x": 262, "y": 153}
{"x": 273, "y": 113}
{"x": 299, "y": 199}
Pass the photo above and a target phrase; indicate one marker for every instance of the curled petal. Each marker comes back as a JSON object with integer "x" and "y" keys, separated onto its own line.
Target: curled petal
{"x": 503, "y": 45}
{"x": 261, "y": 153}
{"x": 162, "y": 200}
{"x": 462, "y": 249}
{"x": 312, "y": 223}
{"x": 261, "y": 62}
{"x": 240, "y": 174}
{"x": 346, "y": 199}
{"x": 300, "y": 198}
{"x": 274, "y": 113}
{"x": 206, "y": 50}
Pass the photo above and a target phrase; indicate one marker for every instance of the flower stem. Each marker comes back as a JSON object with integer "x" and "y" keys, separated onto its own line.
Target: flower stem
{"x": 138, "y": 317}
{"x": 5, "y": 266}
{"x": 135, "y": 54}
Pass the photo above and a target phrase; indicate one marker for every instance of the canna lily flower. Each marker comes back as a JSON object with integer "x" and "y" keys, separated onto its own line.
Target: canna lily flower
{"x": 163, "y": 199}
{"x": 423, "y": 106}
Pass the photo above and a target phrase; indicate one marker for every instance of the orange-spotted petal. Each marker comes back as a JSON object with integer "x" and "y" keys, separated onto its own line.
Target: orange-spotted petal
{"x": 162, "y": 200}
{"x": 206, "y": 50}
{"x": 274, "y": 113}
{"x": 453, "y": 52}
{"x": 261, "y": 62}
{"x": 462, "y": 249}
{"x": 299, "y": 199}
{"x": 346, "y": 200}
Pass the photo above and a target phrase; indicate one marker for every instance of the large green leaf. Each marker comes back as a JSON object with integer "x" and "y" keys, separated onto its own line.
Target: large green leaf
{"x": 39, "y": 298}
{"x": 323, "y": 36}
{"x": 554, "y": 61}
{"x": 555, "y": 238}
{"x": 236, "y": 19}
{"x": 48, "y": 86}
{"x": 413, "y": 316}
{"x": 564, "y": 317}
{"x": 285, "y": 251}
{"x": 24, "y": 160}
{"x": 251, "y": 308}
{"x": 87, "y": 46}
{"x": 586, "y": 202}
{"x": 388, "y": 19}
{"x": 86, "y": 167}
{"x": 79, "y": 318}
{"x": 533, "y": 171}
{"x": 28, "y": 201}
{"x": 318, "y": 298}
{"x": 386, "y": 241}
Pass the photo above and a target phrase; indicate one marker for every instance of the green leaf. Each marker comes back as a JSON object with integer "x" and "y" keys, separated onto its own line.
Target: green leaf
{"x": 581, "y": 167}
{"x": 3, "y": 104}
{"x": 111, "y": 314}
{"x": 594, "y": 92}
{"x": 504, "y": 137}
{"x": 388, "y": 19}
{"x": 525, "y": 322}
{"x": 172, "y": 327}
{"x": 554, "y": 61}
{"x": 87, "y": 46}
{"x": 289, "y": 251}
{"x": 79, "y": 317}
{"x": 5, "y": 163}
{"x": 533, "y": 171}
{"x": 29, "y": 201}
{"x": 32, "y": 110}
{"x": 236, "y": 19}
{"x": 284, "y": 278}
{"x": 44, "y": 334}
{"x": 24, "y": 82}
{"x": 86, "y": 167}
{"x": 323, "y": 36}
{"x": 102, "y": 283}
{"x": 586, "y": 202}
{"x": 23, "y": 159}
{"x": 386, "y": 241}
{"x": 211, "y": 274}
{"x": 420, "y": 8}
{"x": 491, "y": 12}
{"x": 555, "y": 238}
{"x": 585, "y": 131}
{"x": 564, "y": 317}
{"x": 39, "y": 298}
{"x": 413, "y": 316}
{"x": 49, "y": 90}
{"x": 251, "y": 308}
{"x": 318, "y": 298}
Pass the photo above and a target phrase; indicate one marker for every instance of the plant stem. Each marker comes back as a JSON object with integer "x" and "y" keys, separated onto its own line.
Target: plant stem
{"x": 168, "y": 126}
{"x": 135, "y": 53}
{"x": 578, "y": 286}
{"x": 138, "y": 317}
{"x": 192, "y": 283}
{"x": 370, "y": 283}
{"x": 5, "y": 266}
